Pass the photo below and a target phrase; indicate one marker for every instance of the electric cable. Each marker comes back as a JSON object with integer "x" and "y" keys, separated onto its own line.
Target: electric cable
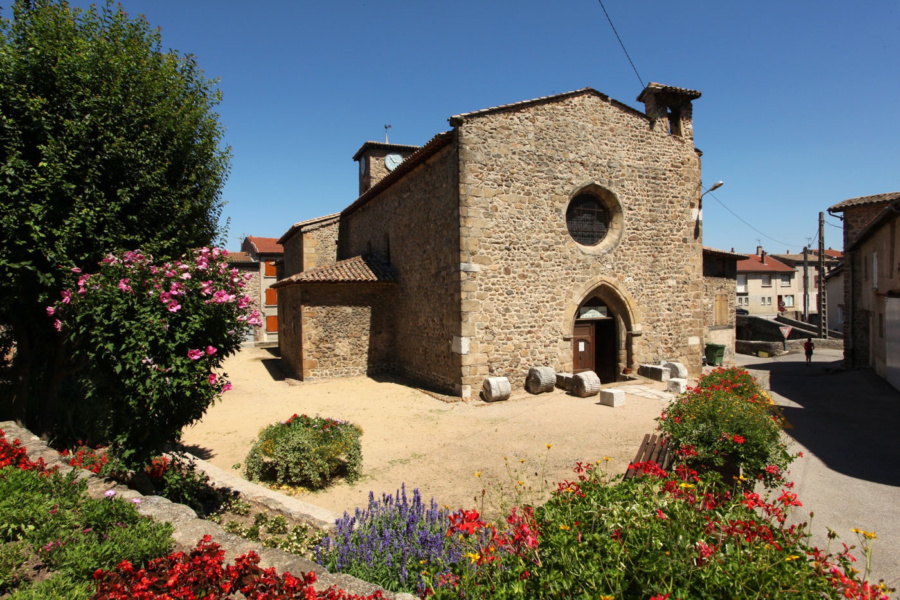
{"x": 621, "y": 43}
{"x": 754, "y": 228}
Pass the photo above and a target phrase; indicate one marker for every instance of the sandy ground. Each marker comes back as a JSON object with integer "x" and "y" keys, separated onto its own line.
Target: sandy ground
{"x": 413, "y": 438}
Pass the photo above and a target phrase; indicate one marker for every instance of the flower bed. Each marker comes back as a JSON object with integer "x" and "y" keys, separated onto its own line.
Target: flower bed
{"x": 665, "y": 535}
{"x": 727, "y": 420}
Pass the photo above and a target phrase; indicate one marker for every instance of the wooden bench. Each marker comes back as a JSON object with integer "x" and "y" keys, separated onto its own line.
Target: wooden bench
{"x": 654, "y": 448}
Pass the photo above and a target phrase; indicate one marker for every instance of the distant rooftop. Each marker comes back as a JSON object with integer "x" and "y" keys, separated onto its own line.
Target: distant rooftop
{"x": 863, "y": 200}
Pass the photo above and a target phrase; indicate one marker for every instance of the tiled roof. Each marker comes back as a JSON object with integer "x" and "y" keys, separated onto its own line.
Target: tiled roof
{"x": 383, "y": 146}
{"x": 359, "y": 269}
{"x": 265, "y": 245}
{"x": 831, "y": 256}
{"x": 671, "y": 89}
{"x": 887, "y": 214}
{"x": 863, "y": 200}
{"x": 308, "y": 224}
{"x": 458, "y": 119}
{"x": 723, "y": 253}
{"x": 754, "y": 264}
{"x": 239, "y": 257}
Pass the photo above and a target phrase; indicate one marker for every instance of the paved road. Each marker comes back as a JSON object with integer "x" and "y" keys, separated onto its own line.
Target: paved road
{"x": 847, "y": 423}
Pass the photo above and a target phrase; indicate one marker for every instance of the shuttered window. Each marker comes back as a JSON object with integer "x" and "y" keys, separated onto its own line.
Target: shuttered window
{"x": 271, "y": 297}
{"x": 272, "y": 324}
{"x": 270, "y": 269}
{"x": 722, "y": 309}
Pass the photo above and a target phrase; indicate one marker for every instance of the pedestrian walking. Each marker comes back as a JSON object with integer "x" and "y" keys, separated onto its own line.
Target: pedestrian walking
{"x": 808, "y": 347}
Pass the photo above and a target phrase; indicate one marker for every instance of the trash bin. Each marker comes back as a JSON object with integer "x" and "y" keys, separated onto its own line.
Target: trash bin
{"x": 715, "y": 354}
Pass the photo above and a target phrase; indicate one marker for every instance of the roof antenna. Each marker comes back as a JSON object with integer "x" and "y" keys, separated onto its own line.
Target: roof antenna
{"x": 386, "y": 127}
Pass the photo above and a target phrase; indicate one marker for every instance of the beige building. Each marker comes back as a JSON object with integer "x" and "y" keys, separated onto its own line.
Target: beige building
{"x": 719, "y": 298}
{"x": 872, "y": 283}
{"x": 765, "y": 283}
{"x": 563, "y": 231}
{"x": 808, "y": 271}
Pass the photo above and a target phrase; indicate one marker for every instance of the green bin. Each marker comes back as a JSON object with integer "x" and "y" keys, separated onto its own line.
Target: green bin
{"x": 715, "y": 354}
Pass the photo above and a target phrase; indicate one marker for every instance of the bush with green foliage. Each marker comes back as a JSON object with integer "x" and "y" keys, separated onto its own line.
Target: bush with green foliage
{"x": 727, "y": 418}
{"x": 136, "y": 392}
{"x": 108, "y": 143}
{"x": 306, "y": 451}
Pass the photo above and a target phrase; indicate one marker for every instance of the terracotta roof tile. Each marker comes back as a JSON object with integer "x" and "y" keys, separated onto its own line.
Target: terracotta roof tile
{"x": 266, "y": 245}
{"x": 358, "y": 269}
{"x": 754, "y": 264}
{"x": 671, "y": 89}
{"x": 863, "y": 200}
{"x": 239, "y": 257}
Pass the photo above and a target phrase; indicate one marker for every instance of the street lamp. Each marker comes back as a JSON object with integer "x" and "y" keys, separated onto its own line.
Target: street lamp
{"x": 714, "y": 186}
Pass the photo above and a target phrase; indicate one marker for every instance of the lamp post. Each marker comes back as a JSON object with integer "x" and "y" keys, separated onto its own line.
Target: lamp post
{"x": 714, "y": 186}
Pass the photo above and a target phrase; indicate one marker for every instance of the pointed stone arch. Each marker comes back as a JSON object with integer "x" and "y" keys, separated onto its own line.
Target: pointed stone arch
{"x": 622, "y": 308}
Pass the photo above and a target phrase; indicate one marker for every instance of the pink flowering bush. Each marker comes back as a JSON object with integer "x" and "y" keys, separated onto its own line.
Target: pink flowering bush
{"x": 148, "y": 340}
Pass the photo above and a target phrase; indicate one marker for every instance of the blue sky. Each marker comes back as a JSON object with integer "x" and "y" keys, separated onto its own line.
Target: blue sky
{"x": 799, "y": 107}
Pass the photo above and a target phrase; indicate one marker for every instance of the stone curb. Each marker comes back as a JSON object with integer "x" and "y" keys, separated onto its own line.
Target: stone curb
{"x": 189, "y": 528}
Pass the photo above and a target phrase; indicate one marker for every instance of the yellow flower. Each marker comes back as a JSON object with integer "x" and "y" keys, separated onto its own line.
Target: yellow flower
{"x": 792, "y": 557}
{"x": 477, "y": 473}
{"x": 607, "y": 598}
{"x": 473, "y": 556}
{"x": 607, "y": 459}
{"x": 549, "y": 446}
{"x": 687, "y": 485}
{"x": 856, "y": 530}
{"x": 521, "y": 482}
{"x": 565, "y": 527}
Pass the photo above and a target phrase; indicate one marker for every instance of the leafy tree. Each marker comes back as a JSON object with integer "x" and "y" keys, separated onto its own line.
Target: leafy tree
{"x": 107, "y": 143}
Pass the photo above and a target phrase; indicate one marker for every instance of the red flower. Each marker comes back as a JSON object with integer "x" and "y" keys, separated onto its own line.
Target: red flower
{"x": 738, "y": 439}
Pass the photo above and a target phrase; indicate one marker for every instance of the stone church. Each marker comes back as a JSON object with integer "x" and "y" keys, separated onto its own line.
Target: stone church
{"x": 563, "y": 231}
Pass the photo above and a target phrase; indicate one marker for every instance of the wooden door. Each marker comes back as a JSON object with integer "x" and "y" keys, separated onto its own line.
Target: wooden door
{"x": 583, "y": 347}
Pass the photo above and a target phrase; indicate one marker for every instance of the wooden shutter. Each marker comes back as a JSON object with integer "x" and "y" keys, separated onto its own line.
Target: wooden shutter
{"x": 270, "y": 269}
{"x": 721, "y": 309}
{"x": 272, "y": 324}
{"x": 271, "y": 297}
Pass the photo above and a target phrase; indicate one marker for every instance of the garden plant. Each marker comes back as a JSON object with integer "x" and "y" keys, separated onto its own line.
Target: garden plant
{"x": 727, "y": 420}
{"x": 306, "y": 451}
{"x": 387, "y": 542}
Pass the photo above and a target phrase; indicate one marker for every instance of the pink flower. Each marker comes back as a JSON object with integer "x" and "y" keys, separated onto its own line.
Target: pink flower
{"x": 212, "y": 379}
{"x": 66, "y": 296}
{"x": 50, "y": 311}
{"x": 195, "y": 354}
{"x": 57, "y": 324}
{"x": 174, "y": 306}
{"x": 210, "y": 350}
{"x": 123, "y": 285}
{"x": 227, "y": 386}
{"x": 76, "y": 270}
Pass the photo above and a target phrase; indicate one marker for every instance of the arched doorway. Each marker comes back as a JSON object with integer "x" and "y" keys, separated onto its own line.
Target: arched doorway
{"x": 596, "y": 340}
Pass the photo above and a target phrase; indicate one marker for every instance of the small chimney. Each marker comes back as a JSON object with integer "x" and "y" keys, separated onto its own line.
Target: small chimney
{"x": 763, "y": 257}
{"x": 759, "y": 250}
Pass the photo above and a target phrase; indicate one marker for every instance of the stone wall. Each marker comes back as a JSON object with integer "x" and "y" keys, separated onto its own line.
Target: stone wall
{"x": 715, "y": 332}
{"x": 527, "y": 276}
{"x": 344, "y": 329}
{"x": 414, "y": 225}
{"x": 311, "y": 246}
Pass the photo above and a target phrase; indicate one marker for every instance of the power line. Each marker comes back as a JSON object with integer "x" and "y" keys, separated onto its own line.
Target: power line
{"x": 754, "y": 228}
{"x": 621, "y": 43}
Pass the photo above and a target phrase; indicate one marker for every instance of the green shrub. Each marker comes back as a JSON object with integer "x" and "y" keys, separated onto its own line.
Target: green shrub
{"x": 728, "y": 420}
{"x": 177, "y": 479}
{"x": 306, "y": 451}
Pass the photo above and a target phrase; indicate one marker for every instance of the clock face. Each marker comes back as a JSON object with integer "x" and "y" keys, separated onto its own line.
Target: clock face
{"x": 391, "y": 161}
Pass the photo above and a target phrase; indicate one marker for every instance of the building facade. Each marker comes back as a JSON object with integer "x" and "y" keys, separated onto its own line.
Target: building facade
{"x": 872, "y": 283}
{"x": 765, "y": 284}
{"x": 267, "y": 254}
{"x": 563, "y": 231}
{"x": 720, "y": 298}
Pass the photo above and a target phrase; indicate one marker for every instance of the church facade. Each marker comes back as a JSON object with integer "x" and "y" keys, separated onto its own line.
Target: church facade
{"x": 563, "y": 231}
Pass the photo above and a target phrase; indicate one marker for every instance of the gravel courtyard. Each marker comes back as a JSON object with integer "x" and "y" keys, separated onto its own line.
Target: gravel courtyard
{"x": 414, "y": 438}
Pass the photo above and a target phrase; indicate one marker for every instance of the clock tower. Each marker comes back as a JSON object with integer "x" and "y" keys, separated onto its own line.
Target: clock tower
{"x": 378, "y": 160}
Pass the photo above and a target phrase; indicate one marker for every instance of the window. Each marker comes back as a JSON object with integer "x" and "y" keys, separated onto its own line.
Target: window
{"x": 742, "y": 284}
{"x": 767, "y": 300}
{"x": 272, "y": 324}
{"x": 766, "y": 280}
{"x": 271, "y": 297}
{"x": 743, "y": 300}
{"x": 785, "y": 279}
{"x": 788, "y": 301}
{"x": 271, "y": 271}
{"x": 587, "y": 220}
